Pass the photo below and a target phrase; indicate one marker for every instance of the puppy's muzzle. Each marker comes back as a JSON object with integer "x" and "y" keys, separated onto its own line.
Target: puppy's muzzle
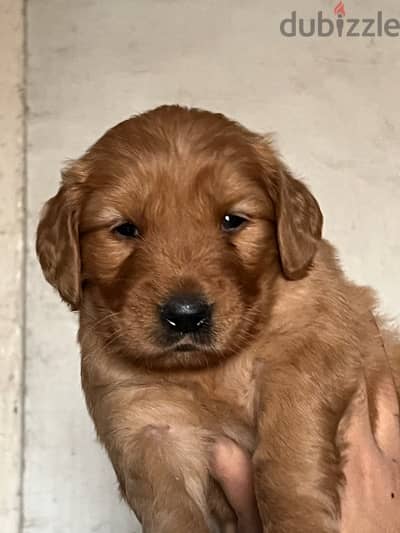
{"x": 185, "y": 314}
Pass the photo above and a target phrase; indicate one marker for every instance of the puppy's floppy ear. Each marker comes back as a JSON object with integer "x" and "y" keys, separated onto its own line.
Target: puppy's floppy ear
{"x": 299, "y": 225}
{"x": 298, "y": 216}
{"x": 57, "y": 243}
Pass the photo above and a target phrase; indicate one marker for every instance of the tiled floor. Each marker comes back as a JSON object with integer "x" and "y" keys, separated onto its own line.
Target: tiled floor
{"x": 333, "y": 103}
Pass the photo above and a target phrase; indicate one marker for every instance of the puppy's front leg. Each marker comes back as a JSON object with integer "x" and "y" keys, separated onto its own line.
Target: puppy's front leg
{"x": 160, "y": 454}
{"x": 163, "y": 482}
{"x": 296, "y": 464}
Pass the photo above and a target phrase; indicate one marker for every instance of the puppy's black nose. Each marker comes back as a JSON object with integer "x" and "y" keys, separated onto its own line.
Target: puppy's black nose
{"x": 186, "y": 313}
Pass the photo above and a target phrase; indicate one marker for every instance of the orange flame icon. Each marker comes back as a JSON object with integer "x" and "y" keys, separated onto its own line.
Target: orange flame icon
{"x": 339, "y": 9}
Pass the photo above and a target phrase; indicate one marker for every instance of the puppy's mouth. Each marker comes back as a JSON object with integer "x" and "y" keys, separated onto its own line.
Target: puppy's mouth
{"x": 185, "y": 347}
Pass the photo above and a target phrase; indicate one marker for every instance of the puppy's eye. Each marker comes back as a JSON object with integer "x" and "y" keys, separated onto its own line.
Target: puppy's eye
{"x": 233, "y": 222}
{"x": 127, "y": 229}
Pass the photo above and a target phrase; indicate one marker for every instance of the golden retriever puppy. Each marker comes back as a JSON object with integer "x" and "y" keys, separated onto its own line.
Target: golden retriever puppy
{"x": 209, "y": 307}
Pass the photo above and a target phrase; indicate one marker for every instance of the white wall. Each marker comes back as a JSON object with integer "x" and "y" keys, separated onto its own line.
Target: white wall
{"x": 333, "y": 103}
{"x": 11, "y": 239}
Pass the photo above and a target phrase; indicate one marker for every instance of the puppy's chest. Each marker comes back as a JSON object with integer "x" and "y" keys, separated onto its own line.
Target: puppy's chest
{"x": 231, "y": 394}
{"x": 236, "y": 384}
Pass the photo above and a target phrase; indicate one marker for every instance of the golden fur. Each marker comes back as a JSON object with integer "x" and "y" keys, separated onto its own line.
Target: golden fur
{"x": 291, "y": 335}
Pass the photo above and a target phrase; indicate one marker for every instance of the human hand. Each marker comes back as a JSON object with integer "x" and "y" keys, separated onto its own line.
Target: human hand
{"x": 371, "y": 494}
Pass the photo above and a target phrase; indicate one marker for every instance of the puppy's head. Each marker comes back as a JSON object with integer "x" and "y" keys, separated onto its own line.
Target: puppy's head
{"x": 170, "y": 232}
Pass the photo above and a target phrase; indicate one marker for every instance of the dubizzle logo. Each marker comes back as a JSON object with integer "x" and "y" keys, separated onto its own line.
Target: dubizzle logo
{"x": 322, "y": 26}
